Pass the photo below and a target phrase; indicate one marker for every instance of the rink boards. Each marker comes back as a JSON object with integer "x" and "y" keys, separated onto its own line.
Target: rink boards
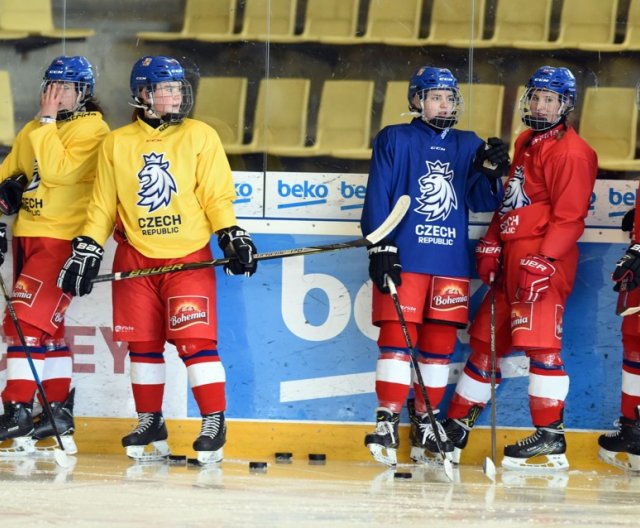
{"x": 296, "y": 338}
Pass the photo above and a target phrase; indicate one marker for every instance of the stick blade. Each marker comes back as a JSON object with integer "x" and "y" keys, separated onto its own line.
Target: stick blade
{"x": 448, "y": 469}
{"x": 391, "y": 222}
{"x": 62, "y": 459}
{"x": 489, "y": 469}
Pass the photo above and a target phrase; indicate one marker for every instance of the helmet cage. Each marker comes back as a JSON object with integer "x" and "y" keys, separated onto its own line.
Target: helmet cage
{"x": 442, "y": 122}
{"x": 173, "y": 118}
{"x": 76, "y": 70}
{"x": 542, "y": 123}
{"x": 429, "y": 78}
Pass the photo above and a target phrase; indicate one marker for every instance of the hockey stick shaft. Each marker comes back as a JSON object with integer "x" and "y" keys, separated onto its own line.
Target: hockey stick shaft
{"x": 494, "y": 361}
{"x": 390, "y": 223}
{"x": 32, "y": 366}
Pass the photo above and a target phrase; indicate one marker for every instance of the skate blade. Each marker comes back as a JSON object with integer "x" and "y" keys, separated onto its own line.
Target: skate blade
{"x": 456, "y": 455}
{"x": 547, "y": 462}
{"x": 18, "y": 447}
{"x": 46, "y": 448}
{"x": 152, "y": 452}
{"x": 386, "y": 456}
{"x": 625, "y": 461}
{"x": 210, "y": 457}
{"x": 423, "y": 456}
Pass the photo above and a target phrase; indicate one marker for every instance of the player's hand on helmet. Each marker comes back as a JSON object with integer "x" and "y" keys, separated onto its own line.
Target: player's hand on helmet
{"x": 492, "y": 158}
{"x": 534, "y": 278}
{"x": 488, "y": 254}
{"x": 384, "y": 261}
{"x": 4, "y": 246}
{"x": 81, "y": 267}
{"x": 11, "y": 190}
{"x": 627, "y": 220}
{"x": 237, "y": 245}
{"x": 627, "y": 270}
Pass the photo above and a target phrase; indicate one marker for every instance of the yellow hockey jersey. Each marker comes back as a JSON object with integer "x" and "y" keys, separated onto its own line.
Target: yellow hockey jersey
{"x": 171, "y": 187}
{"x": 59, "y": 161}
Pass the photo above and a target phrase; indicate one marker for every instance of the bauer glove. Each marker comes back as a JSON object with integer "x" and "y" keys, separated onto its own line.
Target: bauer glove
{"x": 628, "y": 269}
{"x": 492, "y": 158}
{"x": 4, "y": 246}
{"x": 81, "y": 267}
{"x": 534, "y": 278}
{"x": 384, "y": 260}
{"x": 11, "y": 191}
{"x": 237, "y": 245}
{"x": 488, "y": 255}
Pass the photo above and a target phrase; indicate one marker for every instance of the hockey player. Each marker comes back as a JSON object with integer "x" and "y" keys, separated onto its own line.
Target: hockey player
{"x": 165, "y": 183}
{"x": 530, "y": 250}
{"x": 626, "y": 439}
{"x": 446, "y": 172}
{"x": 53, "y": 162}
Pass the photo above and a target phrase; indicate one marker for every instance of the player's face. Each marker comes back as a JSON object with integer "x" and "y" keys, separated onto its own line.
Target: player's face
{"x": 545, "y": 105}
{"x": 438, "y": 103}
{"x": 65, "y": 93}
{"x": 167, "y": 97}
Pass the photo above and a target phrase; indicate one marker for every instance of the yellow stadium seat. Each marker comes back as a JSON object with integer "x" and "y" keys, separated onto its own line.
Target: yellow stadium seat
{"x": 519, "y": 23}
{"x": 632, "y": 35}
{"x": 517, "y": 126}
{"x": 451, "y": 24}
{"x": 7, "y": 123}
{"x": 203, "y": 20}
{"x": 331, "y": 21}
{"x": 608, "y": 122}
{"x": 36, "y": 19}
{"x": 269, "y": 20}
{"x": 395, "y": 104}
{"x": 221, "y": 103}
{"x": 483, "y": 105}
{"x": 393, "y": 22}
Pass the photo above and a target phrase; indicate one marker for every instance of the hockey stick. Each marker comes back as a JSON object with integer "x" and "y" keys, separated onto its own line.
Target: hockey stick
{"x": 489, "y": 466}
{"x": 448, "y": 469}
{"x": 390, "y": 223}
{"x": 622, "y": 308}
{"x": 59, "y": 454}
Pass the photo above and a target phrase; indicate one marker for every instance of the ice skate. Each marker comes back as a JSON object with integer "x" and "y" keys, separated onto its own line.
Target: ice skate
{"x": 384, "y": 442}
{"x": 63, "y": 417}
{"x": 423, "y": 439}
{"x": 621, "y": 448}
{"x": 16, "y": 424}
{"x": 210, "y": 442}
{"x": 546, "y": 442}
{"x": 458, "y": 430}
{"x": 148, "y": 441}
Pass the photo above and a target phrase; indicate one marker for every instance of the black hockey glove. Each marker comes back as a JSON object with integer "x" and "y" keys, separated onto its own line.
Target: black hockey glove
{"x": 237, "y": 245}
{"x": 628, "y": 269}
{"x": 384, "y": 260}
{"x": 492, "y": 158}
{"x": 4, "y": 246}
{"x": 11, "y": 191}
{"x": 81, "y": 267}
{"x": 627, "y": 220}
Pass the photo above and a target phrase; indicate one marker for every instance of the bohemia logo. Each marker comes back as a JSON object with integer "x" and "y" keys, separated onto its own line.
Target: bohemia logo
{"x": 514, "y": 195}
{"x": 437, "y": 197}
{"x": 156, "y": 183}
{"x": 26, "y": 290}
{"x": 449, "y": 294}
{"x": 188, "y": 311}
{"x": 521, "y": 316}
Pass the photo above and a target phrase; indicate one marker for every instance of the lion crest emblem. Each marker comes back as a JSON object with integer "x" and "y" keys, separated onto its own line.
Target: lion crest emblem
{"x": 514, "y": 195}
{"x": 437, "y": 196}
{"x": 156, "y": 183}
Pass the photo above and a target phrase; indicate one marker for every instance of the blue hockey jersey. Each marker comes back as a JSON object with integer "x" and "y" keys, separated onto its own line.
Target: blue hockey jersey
{"x": 435, "y": 168}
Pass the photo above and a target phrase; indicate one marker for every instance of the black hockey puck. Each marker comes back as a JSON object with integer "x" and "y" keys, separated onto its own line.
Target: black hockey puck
{"x": 283, "y": 457}
{"x": 402, "y": 475}
{"x": 317, "y": 458}
{"x": 258, "y": 467}
{"x": 178, "y": 460}
{"x": 193, "y": 462}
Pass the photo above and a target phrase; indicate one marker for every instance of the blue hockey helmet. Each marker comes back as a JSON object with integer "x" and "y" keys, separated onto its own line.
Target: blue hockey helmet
{"x": 553, "y": 79}
{"x": 150, "y": 71}
{"x": 430, "y": 78}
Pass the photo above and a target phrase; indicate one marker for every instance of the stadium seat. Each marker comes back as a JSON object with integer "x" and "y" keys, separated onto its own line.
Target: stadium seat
{"x": 632, "y": 34}
{"x": 519, "y": 23}
{"x": 7, "y": 124}
{"x": 451, "y": 24}
{"x": 36, "y": 19}
{"x": 584, "y": 24}
{"x": 608, "y": 122}
{"x": 395, "y": 104}
{"x": 280, "y": 121}
{"x": 269, "y": 20}
{"x": 517, "y": 126}
{"x": 221, "y": 103}
{"x": 331, "y": 21}
{"x": 203, "y": 20}
{"x": 393, "y": 23}
{"x": 483, "y": 105}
